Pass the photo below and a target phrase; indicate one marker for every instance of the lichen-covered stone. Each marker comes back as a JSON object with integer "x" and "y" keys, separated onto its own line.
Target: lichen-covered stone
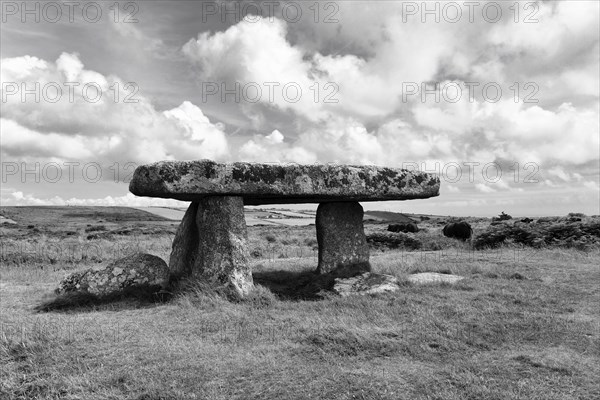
{"x": 367, "y": 283}
{"x": 132, "y": 271}
{"x": 185, "y": 244}
{"x": 343, "y": 246}
{"x": 223, "y": 257}
{"x": 73, "y": 282}
{"x": 278, "y": 183}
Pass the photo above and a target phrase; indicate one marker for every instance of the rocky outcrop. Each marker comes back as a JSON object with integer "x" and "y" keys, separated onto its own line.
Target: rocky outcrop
{"x": 277, "y": 183}
{"x": 136, "y": 270}
{"x": 403, "y": 227}
{"x": 389, "y": 240}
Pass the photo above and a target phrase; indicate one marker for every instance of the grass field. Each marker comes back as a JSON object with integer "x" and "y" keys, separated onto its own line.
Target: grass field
{"x": 524, "y": 324}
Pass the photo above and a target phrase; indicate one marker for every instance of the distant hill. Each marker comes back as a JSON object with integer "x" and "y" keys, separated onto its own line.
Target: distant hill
{"x": 389, "y": 216}
{"x": 63, "y": 214}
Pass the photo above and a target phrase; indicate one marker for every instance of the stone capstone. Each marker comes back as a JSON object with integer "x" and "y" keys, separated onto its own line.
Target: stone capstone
{"x": 367, "y": 283}
{"x": 132, "y": 271}
{"x": 277, "y": 184}
{"x": 343, "y": 247}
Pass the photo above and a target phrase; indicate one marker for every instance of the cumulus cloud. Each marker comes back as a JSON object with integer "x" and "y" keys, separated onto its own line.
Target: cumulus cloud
{"x": 340, "y": 141}
{"x": 390, "y": 55}
{"x": 196, "y": 128}
{"x": 484, "y": 188}
{"x": 559, "y": 173}
{"x": 591, "y": 185}
{"x": 258, "y": 56}
{"x": 272, "y": 148}
{"x": 343, "y": 141}
{"x": 259, "y": 53}
{"x": 479, "y": 130}
{"x": 275, "y": 137}
{"x": 122, "y": 125}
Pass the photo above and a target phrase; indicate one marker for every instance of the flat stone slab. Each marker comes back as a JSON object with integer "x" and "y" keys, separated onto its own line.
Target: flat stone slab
{"x": 367, "y": 283}
{"x": 433, "y": 277}
{"x": 280, "y": 183}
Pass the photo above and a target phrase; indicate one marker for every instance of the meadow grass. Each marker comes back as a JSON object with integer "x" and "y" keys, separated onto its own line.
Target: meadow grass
{"x": 523, "y": 324}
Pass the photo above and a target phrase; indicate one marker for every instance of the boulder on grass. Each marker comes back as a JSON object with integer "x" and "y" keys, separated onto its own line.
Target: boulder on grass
{"x": 459, "y": 230}
{"x": 136, "y": 270}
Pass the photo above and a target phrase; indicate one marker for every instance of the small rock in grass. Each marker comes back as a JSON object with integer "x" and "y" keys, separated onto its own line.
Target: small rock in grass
{"x": 433, "y": 277}
{"x": 367, "y": 283}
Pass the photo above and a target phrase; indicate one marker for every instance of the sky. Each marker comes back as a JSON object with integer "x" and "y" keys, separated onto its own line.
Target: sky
{"x": 501, "y": 99}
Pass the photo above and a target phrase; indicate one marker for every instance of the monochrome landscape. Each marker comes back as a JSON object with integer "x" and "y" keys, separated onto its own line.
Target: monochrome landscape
{"x": 300, "y": 200}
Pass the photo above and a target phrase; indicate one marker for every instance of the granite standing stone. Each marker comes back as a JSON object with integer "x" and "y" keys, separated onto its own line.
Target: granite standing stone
{"x": 185, "y": 244}
{"x": 342, "y": 243}
{"x": 223, "y": 257}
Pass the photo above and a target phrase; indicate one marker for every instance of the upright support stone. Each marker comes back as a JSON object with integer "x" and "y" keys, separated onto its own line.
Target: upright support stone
{"x": 222, "y": 246}
{"x": 185, "y": 245}
{"x": 341, "y": 236}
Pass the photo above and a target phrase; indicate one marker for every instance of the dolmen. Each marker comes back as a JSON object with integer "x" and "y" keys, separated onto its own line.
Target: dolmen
{"x": 211, "y": 243}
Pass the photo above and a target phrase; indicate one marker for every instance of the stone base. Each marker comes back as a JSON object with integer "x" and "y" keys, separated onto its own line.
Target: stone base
{"x": 343, "y": 248}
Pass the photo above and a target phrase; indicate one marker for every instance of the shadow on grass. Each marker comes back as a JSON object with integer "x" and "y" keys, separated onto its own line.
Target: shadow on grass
{"x": 130, "y": 298}
{"x": 285, "y": 285}
{"x": 295, "y": 285}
